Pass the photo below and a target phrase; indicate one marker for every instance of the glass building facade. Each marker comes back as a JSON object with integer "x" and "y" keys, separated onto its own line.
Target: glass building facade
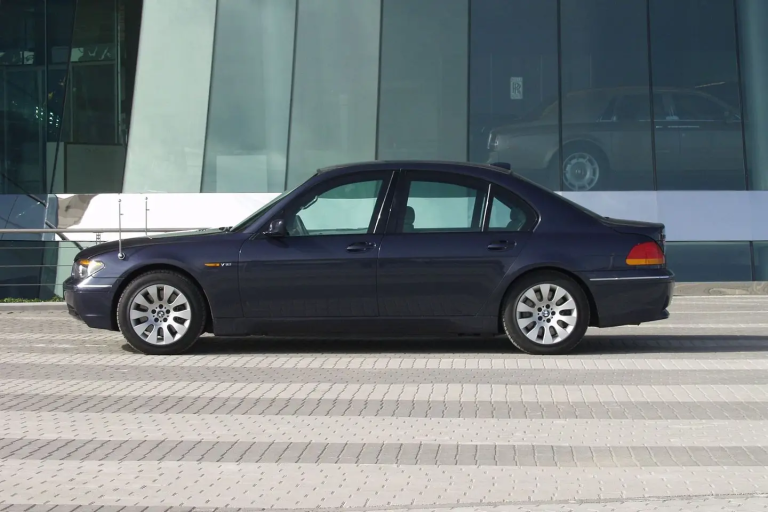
{"x": 649, "y": 109}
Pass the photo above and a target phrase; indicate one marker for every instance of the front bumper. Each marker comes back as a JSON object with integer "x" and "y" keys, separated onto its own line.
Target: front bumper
{"x": 632, "y": 299}
{"x": 90, "y": 303}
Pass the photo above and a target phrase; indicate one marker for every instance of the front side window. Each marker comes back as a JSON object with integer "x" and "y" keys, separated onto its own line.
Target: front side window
{"x": 440, "y": 206}
{"x": 341, "y": 210}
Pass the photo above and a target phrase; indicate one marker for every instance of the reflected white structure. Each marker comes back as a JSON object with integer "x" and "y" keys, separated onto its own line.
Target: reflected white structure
{"x": 170, "y": 104}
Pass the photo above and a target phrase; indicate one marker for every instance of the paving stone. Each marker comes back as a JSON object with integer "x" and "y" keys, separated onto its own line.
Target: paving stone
{"x": 635, "y": 420}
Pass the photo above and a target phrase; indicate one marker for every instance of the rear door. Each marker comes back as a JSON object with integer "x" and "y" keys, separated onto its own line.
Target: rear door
{"x": 450, "y": 241}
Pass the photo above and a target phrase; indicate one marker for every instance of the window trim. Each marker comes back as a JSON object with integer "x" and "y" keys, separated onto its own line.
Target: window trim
{"x": 397, "y": 209}
{"x": 375, "y": 226}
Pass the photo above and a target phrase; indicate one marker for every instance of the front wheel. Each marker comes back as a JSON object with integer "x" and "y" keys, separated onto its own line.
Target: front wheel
{"x": 161, "y": 313}
{"x": 545, "y": 313}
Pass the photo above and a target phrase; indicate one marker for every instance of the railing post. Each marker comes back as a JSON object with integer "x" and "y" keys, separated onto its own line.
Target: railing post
{"x": 120, "y": 254}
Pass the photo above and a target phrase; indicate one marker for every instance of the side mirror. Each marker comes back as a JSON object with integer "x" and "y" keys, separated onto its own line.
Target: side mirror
{"x": 276, "y": 229}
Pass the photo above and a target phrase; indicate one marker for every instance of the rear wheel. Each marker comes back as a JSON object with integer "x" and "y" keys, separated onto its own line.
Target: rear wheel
{"x": 545, "y": 313}
{"x": 161, "y": 313}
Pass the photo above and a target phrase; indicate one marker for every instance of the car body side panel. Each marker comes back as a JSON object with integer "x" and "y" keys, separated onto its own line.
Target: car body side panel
{"x": 189, "y": 255}
{"x": 442, "y": 274}
{"x": 627, "y": 298}
{"x": 306, "y": 277}
{"x": 621, "y": 294}
{"x": 219, "y": 283}
{"x": 475, "y": 282}
{"x": 572, "y": 253}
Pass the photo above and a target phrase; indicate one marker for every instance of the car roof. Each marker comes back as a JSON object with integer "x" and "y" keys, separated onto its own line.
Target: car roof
{"x": 422, "y": 165}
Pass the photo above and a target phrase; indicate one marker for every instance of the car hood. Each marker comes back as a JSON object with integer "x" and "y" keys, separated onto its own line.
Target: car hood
{"x": 164, "y": 238}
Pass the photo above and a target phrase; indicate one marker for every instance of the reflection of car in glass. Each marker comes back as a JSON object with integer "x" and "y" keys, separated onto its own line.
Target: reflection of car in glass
{"x": 608, "y": 130}
{"x": 384, "y": 248}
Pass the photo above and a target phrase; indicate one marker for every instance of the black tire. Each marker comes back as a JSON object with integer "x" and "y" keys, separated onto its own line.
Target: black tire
{"x": 196, "y": 302}
{"x": 509, "y": 313}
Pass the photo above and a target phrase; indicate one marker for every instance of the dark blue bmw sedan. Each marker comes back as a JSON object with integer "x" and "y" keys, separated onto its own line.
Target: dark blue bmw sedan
{"x": 384, "y": 248}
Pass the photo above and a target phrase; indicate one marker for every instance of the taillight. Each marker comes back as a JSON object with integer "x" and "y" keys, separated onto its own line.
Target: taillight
{"x": 646, "y": 253}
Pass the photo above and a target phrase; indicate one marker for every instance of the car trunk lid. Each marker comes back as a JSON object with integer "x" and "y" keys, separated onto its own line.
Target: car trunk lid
{"x": 653, "y": 230}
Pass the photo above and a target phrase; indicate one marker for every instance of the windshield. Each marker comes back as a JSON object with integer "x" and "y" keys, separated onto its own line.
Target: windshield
{"x": 261, "y": 211}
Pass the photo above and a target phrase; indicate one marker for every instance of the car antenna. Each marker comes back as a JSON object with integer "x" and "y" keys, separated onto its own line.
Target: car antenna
{"x": 120, "y": 254}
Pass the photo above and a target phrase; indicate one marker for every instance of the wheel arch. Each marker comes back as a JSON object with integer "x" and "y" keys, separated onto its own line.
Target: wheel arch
{"x": 593, "y": 312}
{"x": 133, "y": 274}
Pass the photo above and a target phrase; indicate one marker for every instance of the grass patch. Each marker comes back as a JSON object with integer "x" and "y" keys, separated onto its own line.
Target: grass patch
{"x": 11, "y": 300}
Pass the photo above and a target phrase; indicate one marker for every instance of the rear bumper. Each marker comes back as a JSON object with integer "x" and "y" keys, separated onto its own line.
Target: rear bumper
{"x": 623, "y": 299}
{"x": 90, "y": 305}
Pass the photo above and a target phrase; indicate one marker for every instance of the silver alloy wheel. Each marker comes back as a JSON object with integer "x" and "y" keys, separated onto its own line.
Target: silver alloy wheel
{"x": 581, "y": 171}
{"x": 546, "y": 313}
{"x": 160, "y": 314}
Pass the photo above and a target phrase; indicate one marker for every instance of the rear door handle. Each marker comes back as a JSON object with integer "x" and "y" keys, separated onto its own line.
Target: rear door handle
{"x": 500, "y": 245}
{"x": 360, "y": 246}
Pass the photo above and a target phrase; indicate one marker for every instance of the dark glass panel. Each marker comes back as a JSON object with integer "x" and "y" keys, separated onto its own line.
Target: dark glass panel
{"x": 23, "y": 274}
{"x": 761, "y": 261}
{"x": 335, "y": 85}
{"x": 606, "y": 96}
{"x": 247, "y": 139}
{"x": 699, "y": 140}
{"x": 34, "y": 41}
{"x": 709, "y": 261}
{"x": 753, "y": 20}
{"x": 423, "y": 92}
{"x": 90, "y": 157}
{"x": 514, "y": 86}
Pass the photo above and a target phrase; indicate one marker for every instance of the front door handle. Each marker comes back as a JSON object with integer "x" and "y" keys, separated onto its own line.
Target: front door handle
{"x": 500, "y": 245}
{"x": 360, "y": 246}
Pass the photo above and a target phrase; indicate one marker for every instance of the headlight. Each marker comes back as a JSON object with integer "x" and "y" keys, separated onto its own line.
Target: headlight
{"x": 86, "y": 268}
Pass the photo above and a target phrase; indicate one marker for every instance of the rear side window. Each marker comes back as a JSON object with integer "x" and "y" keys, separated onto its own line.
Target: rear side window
{"x": 443, "y": 204}
{"x": 509, "y": 213}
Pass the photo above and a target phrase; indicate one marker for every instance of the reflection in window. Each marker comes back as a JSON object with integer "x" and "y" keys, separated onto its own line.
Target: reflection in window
{"x": 247, "y": 138}
{"x": 709, "y": 261}
{"x": 35, "y": 36}
{"x": 423, "y": 104}
{"x": 606, "y": 96}
{"x": 91, "y": 155}
{"x": 443, "y": 207}
{"x": 335, "y": 89}
{"x": 514, "y": 86}
{"x": 343, "y": 210}
{"x": 699, "y": 142}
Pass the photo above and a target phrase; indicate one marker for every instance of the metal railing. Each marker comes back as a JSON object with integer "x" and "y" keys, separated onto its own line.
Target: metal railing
{"x": 22, "y": 281}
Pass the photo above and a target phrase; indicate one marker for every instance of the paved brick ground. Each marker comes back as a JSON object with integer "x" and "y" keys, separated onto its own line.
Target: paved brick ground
{"x": 668, "y": 417}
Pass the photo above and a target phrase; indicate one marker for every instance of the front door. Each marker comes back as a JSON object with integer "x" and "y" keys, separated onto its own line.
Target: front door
{"x": 449, "y": 247}
{"x": 326, "y": 266}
